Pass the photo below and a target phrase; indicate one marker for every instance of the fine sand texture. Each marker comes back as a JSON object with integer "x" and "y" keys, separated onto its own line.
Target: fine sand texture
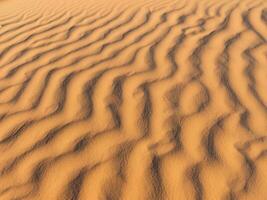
{"x": 133, "y": 100}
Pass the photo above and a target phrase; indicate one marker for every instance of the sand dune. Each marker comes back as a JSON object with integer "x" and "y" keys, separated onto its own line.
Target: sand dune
{"x": 133, "y": 100}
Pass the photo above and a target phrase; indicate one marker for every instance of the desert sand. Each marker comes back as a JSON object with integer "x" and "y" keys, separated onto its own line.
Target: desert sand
{"x": 133, "y": 100}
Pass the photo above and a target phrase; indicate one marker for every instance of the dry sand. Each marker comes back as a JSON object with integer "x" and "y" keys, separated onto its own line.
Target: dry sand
{"x": 133, "y": 100}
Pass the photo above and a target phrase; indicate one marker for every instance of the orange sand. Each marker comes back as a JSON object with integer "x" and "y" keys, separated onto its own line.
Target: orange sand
{"x": 133, "y": 100}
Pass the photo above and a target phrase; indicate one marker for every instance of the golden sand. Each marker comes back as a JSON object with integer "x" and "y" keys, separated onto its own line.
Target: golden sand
{"x": 133, "y": 100}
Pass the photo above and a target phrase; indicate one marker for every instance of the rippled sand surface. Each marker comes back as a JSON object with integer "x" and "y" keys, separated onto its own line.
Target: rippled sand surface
{"x": 133, "y": 100}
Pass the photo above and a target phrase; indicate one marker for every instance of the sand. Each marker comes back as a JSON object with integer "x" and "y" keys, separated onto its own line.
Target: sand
{"x": 133, "y": 100}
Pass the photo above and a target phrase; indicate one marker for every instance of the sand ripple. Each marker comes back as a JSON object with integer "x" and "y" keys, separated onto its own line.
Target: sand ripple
{"x": 134, "y": 100}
